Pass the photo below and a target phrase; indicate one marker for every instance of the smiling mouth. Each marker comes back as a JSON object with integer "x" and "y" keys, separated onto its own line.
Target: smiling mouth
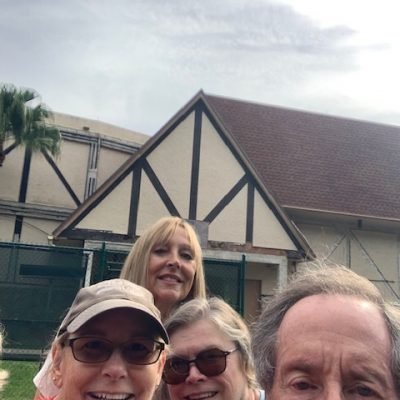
{"x": 201, "y": 396}
{"x": 170, "y": 279}
{"x": 111, "y": 396}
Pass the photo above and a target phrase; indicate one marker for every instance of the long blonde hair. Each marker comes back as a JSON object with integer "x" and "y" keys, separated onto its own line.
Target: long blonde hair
{"x": 136, "y": 263}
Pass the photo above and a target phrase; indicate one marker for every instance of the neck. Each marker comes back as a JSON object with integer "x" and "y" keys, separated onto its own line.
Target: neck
{"x": 165, "y": 310}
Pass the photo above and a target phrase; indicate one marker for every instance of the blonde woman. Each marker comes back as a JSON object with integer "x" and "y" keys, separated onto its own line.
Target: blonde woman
{"x": 167, "y": 260}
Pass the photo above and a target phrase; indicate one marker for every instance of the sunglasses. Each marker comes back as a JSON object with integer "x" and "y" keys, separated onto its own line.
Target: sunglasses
{"x": 137, "y": 351}
{"x": 209, "y": 362}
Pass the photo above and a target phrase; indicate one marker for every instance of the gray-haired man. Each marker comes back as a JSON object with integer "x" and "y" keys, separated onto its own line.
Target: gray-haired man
{"x": 328, "y": 335}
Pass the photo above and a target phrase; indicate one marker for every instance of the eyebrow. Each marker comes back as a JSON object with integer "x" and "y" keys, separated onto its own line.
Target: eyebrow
{"x": 368, "y": 372}
{"x": 361, "y": 371}
{"x": 300, "y": 364}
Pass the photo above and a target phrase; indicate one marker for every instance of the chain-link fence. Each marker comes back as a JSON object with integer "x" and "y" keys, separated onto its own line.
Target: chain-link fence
{"x": 38, "y": 284}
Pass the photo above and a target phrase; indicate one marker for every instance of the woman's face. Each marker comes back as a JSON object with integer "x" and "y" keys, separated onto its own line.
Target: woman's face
{"x": 114, "y": 379}
{"x": 171, "y": 270}
{"x": 187, "y": 343}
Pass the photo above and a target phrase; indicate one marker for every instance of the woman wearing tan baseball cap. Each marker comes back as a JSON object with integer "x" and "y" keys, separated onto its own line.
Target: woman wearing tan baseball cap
{"x": 110, "y": 345}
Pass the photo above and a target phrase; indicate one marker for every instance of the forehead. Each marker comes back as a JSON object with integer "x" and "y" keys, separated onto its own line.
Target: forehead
{"x": 342, "y": 318}
{"x": 197, "y": 336}
{"x": 173, "y": 232}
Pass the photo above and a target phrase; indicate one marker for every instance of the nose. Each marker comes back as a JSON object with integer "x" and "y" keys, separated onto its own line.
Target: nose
{"x": 115, "y": 367}
{"x": 195, "y": 375}
{"x": 174, "y": 259}
{"x": 333, "y": 393}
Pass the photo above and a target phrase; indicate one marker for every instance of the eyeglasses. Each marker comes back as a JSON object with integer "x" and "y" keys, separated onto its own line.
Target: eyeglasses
{"x": 138, "y": 351}
{"x": 209, "y": 362}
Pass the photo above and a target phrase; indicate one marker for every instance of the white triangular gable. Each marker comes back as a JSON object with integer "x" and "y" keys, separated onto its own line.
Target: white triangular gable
{"x": 112, "y": 213}
{"x": 172, "y": 163}
{"x": 268, "y": 231}
{"x": 219, "y": 169}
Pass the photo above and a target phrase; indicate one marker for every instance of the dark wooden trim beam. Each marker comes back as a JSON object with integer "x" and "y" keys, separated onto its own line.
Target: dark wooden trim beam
{"x": 19, "y": 219}
{"x": 194, "y": 186}
{"x": 134, "y": 204}
{"x": 160, "y": 189}
{"x": 23, "y": 188}
{"x": 270, "y": 204}
{"x": 61, "y": 177}
{"x": 10, "y": 148}
{"x": 226, "y": 199}
{"x": 250, "y": 212}
{"x": 99, "y": 199}
{"x": 90, "y": 234}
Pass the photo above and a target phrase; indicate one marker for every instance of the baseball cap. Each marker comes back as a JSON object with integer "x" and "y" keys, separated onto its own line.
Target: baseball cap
{"x": 107, "y": 295}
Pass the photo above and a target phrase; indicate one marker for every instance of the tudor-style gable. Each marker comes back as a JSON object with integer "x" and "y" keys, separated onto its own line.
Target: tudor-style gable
{"x": 194, "y": 169}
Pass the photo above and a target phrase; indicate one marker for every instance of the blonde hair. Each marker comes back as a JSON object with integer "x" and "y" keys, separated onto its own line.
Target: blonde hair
{"x": 136, "y": 263}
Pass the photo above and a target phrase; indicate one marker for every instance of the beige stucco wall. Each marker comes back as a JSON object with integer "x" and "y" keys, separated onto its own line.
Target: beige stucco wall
{"x": 78, "y": 123}
{"x": 45, "y": 188}
{"x": 10, "y": 174}
{"x": 109, "y": 161}
{"x": 172, "y": 163}
{"x": 151, "y": 208}
{"x": 372, "y": 254}
{"x": 44, "y": 185}
{"x": 37, "y": 230}
{"x": 219, "y": 171}
{"x": 268, "y": 231}
{"x": 230, "y": 224}
{"x": 111, "y": 214}
{"x": 6, "y": 227}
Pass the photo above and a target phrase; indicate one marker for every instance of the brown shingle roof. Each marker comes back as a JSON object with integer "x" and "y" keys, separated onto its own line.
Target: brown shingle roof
{"x": 317, "y": 161}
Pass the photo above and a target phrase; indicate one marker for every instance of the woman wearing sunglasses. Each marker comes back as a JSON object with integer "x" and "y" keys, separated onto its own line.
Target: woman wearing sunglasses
{"x": 210, "y": 355}
{"x": 110, "y": 345}
{"x": 173, "y": 273}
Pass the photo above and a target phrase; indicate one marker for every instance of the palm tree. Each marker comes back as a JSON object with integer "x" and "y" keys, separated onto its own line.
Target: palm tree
{"x": 23, "y": 119}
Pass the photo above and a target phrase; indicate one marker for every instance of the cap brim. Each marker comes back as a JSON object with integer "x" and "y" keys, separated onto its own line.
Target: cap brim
{"x": 111, "y": 304}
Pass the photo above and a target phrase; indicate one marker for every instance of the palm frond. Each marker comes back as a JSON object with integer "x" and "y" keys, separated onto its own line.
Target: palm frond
{"x": 23, "y": 118}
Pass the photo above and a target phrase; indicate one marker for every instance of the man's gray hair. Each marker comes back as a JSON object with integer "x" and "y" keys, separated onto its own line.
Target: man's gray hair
{"x": 315, "y": 280}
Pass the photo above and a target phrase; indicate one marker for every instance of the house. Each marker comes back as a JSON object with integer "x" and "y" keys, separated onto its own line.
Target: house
{"x": 268, "y": 187}
{"x": 38, "y": 192}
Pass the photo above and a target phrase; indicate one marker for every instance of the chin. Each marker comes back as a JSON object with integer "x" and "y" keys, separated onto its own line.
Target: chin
{"x": 171, "y": 296}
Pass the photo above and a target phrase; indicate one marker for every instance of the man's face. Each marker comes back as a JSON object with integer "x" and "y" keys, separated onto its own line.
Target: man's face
{"x": 333, "y": 347}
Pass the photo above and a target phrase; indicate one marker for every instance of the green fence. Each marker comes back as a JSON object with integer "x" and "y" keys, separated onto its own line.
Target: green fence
{"x": 38, "y": 283}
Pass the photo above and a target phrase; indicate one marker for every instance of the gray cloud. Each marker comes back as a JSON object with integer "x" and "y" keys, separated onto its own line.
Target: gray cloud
{"x": 136, "y": 62}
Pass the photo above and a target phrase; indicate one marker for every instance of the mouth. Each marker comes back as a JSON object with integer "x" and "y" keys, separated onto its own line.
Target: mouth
{"x": 200, "y": 396}
{"x": 170, "y": 278}
{"x": 111, "y": 396}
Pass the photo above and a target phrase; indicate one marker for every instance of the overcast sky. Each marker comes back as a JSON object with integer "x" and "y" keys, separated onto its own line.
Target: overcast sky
{"x": 134, "y": 63}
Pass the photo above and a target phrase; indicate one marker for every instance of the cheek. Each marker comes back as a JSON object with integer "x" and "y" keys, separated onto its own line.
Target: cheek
{"x": 76, "y": 378}
{"x": 152, "y": 269}
{"x": 145, "y": 379}
{"x": 189, "y": 272}
{"x": 174, "y": 391}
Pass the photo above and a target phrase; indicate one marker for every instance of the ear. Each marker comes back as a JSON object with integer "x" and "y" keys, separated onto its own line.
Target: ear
{"x": 56, "y": 374}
